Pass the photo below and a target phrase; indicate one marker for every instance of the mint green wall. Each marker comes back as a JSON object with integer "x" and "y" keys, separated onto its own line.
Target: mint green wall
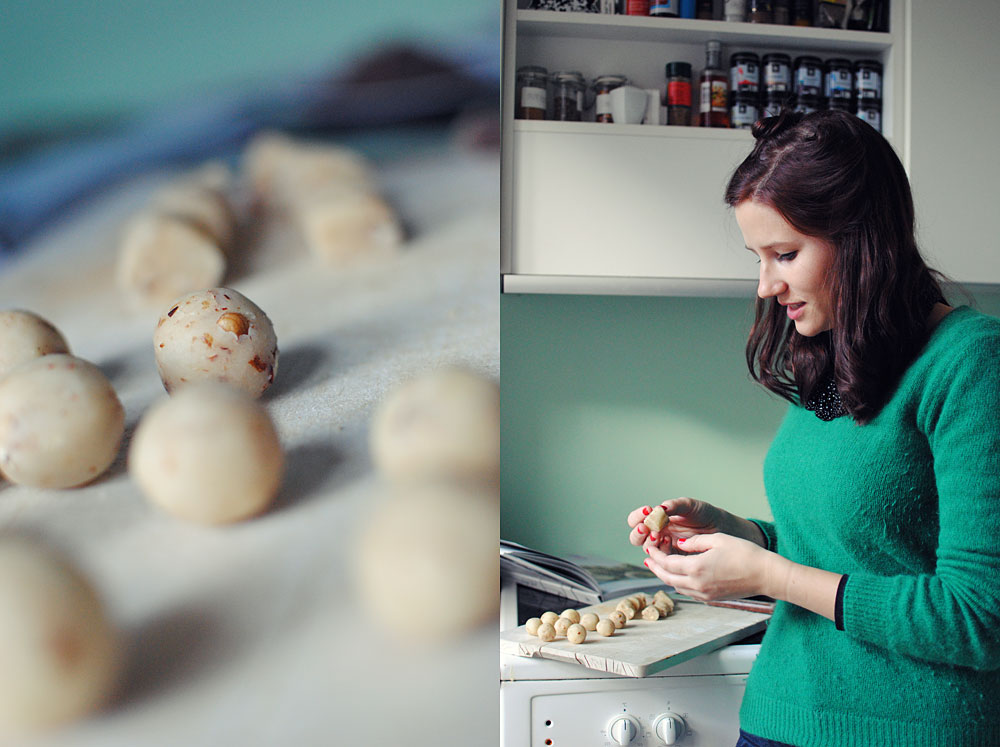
{"x": 612, "y": 402}
{"x": 75, "y": 60}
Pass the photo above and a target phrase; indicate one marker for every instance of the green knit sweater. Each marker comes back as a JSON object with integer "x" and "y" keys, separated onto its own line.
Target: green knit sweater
{"x": 909, "y": 507}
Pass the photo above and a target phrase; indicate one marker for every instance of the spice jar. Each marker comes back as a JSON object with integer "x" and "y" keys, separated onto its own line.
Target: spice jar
{"x": 807, "y": 104}
{"x": 744, "y": 72}
{"x": 759, "y": 11}
{"x": 870, "y": 110}
{"x": 637, "y": 7}
{"x": 868, "y": 79}
{"x": 802, "y": 12}
{"x": 678, "y": 93}
{"x": 808, "y": 76}
{"x": 603, "y": 86}
{"x": 775, "y": 101}
{"x": 743, "y": 112}
{"x": 531, "y": 92}
{"x": 843, "y": 105}
{"x": 838, "y": 79}
{"x": 781, "y": 11}
{"x": 735, "y": 11}
{"x": 567, "y": 96}
{"x": 664, "y": 8}
{"x": 777, "y": 73}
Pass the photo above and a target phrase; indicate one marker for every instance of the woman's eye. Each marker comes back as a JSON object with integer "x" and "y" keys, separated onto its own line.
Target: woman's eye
{"x": 787, "y": 256}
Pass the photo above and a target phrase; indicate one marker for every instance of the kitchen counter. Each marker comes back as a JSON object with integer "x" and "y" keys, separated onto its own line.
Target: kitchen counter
{"x": 251, "y": 634}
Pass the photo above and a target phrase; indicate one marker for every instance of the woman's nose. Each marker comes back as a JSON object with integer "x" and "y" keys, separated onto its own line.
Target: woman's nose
{"x": 768, "y": 284}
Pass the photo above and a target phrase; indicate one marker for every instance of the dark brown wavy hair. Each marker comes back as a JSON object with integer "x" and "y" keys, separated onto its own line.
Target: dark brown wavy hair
{"x": 832, "y": 176}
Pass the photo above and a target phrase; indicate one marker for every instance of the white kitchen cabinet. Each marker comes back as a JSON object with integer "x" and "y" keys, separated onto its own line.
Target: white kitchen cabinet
{"x": 610, "y": 208}
{"x": 954, "y": 163}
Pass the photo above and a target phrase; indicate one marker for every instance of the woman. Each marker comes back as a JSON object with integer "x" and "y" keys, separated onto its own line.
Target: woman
{"x": 883, "y": 478}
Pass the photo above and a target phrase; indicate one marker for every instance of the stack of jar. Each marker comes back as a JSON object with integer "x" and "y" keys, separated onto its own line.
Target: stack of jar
{"x": 761, "y": 87}
{"x": 569, "y": 94}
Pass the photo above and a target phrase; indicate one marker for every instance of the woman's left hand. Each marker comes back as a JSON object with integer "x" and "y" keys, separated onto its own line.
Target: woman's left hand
{"x": 715, "y": 566}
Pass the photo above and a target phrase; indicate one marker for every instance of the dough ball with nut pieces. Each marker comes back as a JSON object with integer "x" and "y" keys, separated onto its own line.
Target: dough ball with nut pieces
{"x": 216, "y": 335}
{"x": 24, "y": 335}
{"x": 209, "y": 454}
{"x": 60, "y": 654}
{"x": 61, "y": 422}
{"x": 435, "y": 546}
{"x": 444, "y": 424}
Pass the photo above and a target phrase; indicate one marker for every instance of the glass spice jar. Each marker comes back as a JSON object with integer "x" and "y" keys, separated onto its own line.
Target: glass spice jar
{"x": 531, "y": 95}
{"x": 781, "y": 11}
{"x": 603, "y": 86}
{"x": 759, "y": 11}
{"x": 868, "y": 79}
{"x": 838, "y": 80}
{"x": 744, "y": 72}
{"x": 870, "y": 110}
{"x": 777, "y": 73}
{"x": 808, "y": 76}
{"x": 567, "y": 96}
{"x": 743, "y": 112}
{"x": 678, "y": 93}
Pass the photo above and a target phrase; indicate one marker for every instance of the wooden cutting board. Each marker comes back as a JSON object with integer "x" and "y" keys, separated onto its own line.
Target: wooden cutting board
{"x": 643, "y": 647}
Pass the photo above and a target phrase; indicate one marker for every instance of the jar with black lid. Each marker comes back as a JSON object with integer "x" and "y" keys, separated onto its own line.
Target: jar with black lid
{"x": 604, "y": 85}
{"x": 567, "y": 96}
{"x": 759, "y": 11}
{"x": 678, "y": 93}
{"x": 843, "y": 105}
{"x": 744, "y": 72}
{"x": 808, "y": 76}
{"x": 775, "y": 101}
{"x": 531, "y": 96}
{"x": 868, "y": 79}
{"x": 743, "y": 111}
{"x": 777, "y": 72}
{"x": 807, "y": 104}
{"x": 870, "y": 110}
{"x": 839, "y": 79}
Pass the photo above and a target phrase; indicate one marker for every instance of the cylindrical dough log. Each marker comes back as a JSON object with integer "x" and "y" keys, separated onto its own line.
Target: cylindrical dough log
{"x": 341, "y": 227}
{"x": 61, "y": 422}
{"x": 216, "y": 335}
{"x": 60, "y": 653}
{"x": 208, "y": 454}
{"x": 24, "y": 336}
{"x": 443, "y": 424}
{"x": 164, "y": 256}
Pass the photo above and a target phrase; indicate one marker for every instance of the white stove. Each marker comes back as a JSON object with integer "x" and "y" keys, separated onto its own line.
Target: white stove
{"x": 546, "y": 703}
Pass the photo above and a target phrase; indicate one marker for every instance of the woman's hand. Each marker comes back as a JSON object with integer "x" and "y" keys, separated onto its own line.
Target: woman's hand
{"x": 688, "y": 517}
{"x": 717, "y": 566}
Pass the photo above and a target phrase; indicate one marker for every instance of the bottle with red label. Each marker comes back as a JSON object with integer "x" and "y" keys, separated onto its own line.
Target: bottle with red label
{"x": 637, "y": 7}
{"x": 714, "y": 88}
{"x": 678, "y": 93}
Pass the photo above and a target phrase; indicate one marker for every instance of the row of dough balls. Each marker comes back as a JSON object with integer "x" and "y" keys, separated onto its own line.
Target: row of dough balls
{"x": 574, "y": 626}
{"x": 187, "y": 234}
{"x": 434, "y": 443}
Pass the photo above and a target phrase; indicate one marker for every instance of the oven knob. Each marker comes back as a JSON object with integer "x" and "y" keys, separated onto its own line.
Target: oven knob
{"x": 669, "y": 728}
{"x": 623, "y": 729}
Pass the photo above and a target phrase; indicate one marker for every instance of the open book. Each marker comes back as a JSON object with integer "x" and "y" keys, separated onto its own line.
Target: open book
{"x": 583, "y": 578}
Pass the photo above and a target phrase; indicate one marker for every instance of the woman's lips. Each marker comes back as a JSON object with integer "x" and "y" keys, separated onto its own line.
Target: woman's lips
{"x": 795, "y": 310}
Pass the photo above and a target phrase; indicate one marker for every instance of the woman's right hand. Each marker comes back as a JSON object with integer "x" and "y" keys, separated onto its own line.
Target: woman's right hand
{"x": 688, "y": 517}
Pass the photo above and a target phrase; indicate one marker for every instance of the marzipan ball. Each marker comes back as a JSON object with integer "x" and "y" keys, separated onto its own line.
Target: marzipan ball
{"x": 618, "y": 618}
{"x": 442, "y": 536}
{"x": 650, "y": 613}
{"x": 589, "y": 621}
{"x": 605, "y": 627}
{"x": 208, "y": 454}
{"x": 531, "y": 625}
{"x": 24, "y": 336}
{"x": 549, "y": 617}
{"x": 442, "y": 425}
{"x": 576, "y": 633}
{"x": 546, "y": 632}
{"x": 59, "y": 652}
{"x": 571, "y": 615}
{"x": 216, "y": 335}
{"x": 61, "y": 422}
{"x": 561, "y": 625}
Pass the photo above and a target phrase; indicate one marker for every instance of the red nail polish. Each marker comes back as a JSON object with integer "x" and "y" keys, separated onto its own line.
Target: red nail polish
{"x": 646, "y": 510}
{"x": 681, "y": 541}
{"x": 642, "y": 529}
{"x": 646, "y": 563}
{"x": 646, "y": 549}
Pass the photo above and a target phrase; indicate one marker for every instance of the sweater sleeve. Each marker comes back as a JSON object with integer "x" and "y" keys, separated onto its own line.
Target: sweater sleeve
{"x": 952, "y": 615}
{"x": 770, "y": 533}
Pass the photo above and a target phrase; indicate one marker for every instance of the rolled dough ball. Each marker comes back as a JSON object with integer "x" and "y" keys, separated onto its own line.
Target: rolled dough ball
{"x": 163, "y": 256}
{"x": 216, "y": 335}
{"x": 657, "y": 519}
{"x": 202, "y": 207}
{"x": 605, "y": 627}
{"x": 664, "y": 602}
{"x": 60, "y": 653}
{"x": 24, "y": 336}
{"x": 208, "y": 454}
{"x": 572, "y": 615}
{"x": 546, "y": 632}
{"x": 531, "y": 625}
{"x": 344, "y": 225}
{"x": 618, "y": 618}
{"x": 61, "y": 422}
{"x": 434, "y": 545}
{"x": 443, "y": 424}
{"x": 589, "y": 621}
{"x": 562, "y": 625}
{"x": 628, "y": 603}
{"x": 663, "y": 609}
{"x": 650, "y": 613}
{"x": 576, "y": 633}
{"x": 549, "y": 617}
{"x": 628, "y": 610}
